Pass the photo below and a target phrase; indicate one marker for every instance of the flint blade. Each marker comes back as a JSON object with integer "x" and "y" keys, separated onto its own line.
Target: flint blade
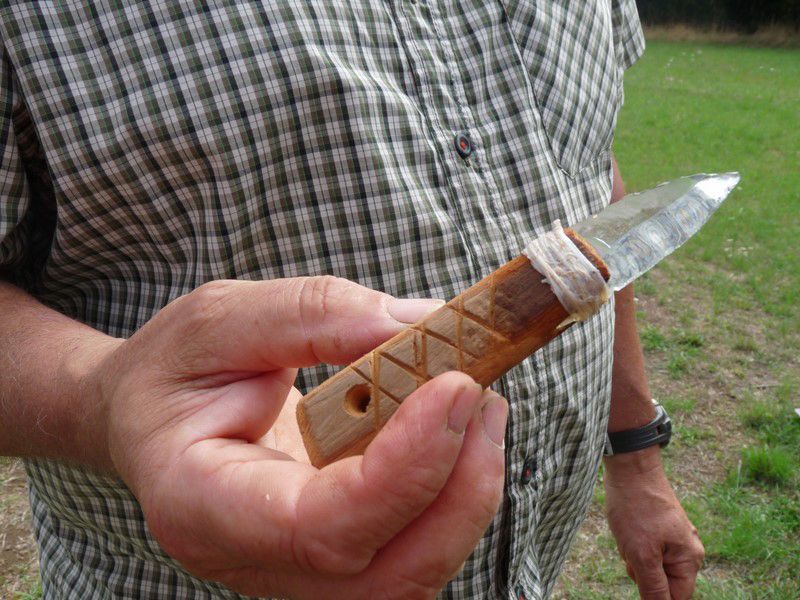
{"x": 636, "y": 233}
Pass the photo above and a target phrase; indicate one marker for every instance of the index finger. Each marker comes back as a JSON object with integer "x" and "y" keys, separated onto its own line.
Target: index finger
{"x": 289, "y": 323}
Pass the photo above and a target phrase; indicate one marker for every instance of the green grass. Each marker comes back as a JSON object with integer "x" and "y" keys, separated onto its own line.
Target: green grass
{"x": 680, "y": 345}
{"x": 724, "y": 349}
{"x": 34, "y": 590}
{"x": 750, "y": 521}
{"x": 677, "y": 406}
{"x": 771, "y": 466}
{"x": 652, "y": 339}
{"x": 773, "y": 417}
{"x": 692, "y": 108}
{"x": 645, "y": 286}
{"x": 734, "y": 108}
{"x": 692, "y": 436}
{"x": 744, "y": 526}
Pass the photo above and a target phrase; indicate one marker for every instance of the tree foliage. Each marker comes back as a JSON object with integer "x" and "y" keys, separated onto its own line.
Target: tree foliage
{"x": 742, "y": 15}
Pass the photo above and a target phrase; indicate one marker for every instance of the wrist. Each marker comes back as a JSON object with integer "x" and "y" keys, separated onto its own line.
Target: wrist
{"x": 621, "y": 467}
{"x": 630, "y": 410}
{"x": 47, "y": 408}
{"x": 83, "y": 371}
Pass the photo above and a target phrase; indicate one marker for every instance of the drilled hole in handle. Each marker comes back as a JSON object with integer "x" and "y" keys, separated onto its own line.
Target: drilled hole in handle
{"x": 357, "y": 399}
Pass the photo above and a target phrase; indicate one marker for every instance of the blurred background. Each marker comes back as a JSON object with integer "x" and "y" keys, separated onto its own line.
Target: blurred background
{"x": 718, "y": 89}
{"x": 750, "y": 17}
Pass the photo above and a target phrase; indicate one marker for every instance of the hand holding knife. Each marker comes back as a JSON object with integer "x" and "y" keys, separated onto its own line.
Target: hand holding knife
{"x": 498, "y": 322}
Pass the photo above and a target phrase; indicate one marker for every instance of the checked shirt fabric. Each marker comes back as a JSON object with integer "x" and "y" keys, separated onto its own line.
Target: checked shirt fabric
{"x": 149, "y": 147}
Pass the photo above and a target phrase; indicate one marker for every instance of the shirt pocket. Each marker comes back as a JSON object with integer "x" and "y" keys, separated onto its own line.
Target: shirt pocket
{"x": 569, "y": 51}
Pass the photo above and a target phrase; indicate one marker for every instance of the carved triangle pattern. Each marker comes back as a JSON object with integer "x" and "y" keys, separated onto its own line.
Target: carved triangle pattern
{"x": 455, "y": 337}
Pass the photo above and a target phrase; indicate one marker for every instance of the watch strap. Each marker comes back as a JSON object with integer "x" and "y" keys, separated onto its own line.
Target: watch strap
{"x": 658, "y": 431}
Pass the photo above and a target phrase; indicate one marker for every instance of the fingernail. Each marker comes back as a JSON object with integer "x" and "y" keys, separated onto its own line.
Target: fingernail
{"x": 411, "y": 310}
{"x": 463, "y": 408}
{"x": 495, "y": 415}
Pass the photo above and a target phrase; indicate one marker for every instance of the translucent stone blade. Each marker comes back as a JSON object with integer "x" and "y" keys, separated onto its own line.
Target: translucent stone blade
{"x": 636, "y": 233}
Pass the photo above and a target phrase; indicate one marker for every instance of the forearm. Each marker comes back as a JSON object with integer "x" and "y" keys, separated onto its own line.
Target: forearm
{"x": 48, "y": 407}
{"x": 631, "y": 404}
{"x": 658, "y": 543}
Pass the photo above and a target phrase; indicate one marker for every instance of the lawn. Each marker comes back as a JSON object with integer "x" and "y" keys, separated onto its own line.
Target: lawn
{"x": 720, "y": 322}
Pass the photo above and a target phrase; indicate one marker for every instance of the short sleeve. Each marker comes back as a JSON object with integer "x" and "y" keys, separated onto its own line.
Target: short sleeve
{"x": 14, "y": 191}
{"x": 628, "y": 35}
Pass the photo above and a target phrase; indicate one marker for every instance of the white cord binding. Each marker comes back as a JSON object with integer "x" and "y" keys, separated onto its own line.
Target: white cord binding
{"x": 575, "y": 281}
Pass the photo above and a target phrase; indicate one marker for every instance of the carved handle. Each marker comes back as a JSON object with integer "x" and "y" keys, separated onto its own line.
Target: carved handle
{"x": 483, "y": 332}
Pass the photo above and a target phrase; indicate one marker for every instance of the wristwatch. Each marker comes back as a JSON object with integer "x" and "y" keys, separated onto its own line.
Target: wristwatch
{"x": 658, "y": 431}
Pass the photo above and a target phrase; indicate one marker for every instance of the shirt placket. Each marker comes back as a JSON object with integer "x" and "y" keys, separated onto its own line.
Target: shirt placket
{"x": 455, "y": 131}
{"x": 528, "y": 438}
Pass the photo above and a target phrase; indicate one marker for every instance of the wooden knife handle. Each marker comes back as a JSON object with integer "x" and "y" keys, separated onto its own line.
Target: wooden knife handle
{"x": 484, "y": 331}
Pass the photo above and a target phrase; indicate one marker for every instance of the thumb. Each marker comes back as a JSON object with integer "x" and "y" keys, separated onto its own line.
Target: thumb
{"x": 265, "y": 325}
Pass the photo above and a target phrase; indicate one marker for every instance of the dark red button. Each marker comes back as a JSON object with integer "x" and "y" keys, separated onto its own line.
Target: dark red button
{"x": 463, "y": 144}
{"x": 528, "y": 469}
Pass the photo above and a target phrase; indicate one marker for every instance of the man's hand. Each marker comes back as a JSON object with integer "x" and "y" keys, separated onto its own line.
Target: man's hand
{"x": 659, "y": 545}
{"x": 190, "y": 397}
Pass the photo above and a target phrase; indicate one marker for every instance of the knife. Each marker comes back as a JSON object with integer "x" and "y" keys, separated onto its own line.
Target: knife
{"x": 502, "y": 319}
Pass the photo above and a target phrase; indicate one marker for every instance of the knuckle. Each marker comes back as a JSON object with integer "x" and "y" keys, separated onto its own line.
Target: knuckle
{"x": 647, "y": 560}
{"x": 181, "y": 334}
{"x": 195, "y": 318}
{"x": 426, "y": 467}
{"x": 318, "y": 294}
{"x": 654, "y": 592}
{"x": 700, "y": 554}
{"x": 319, "y": 555}
{"x": 318, "y": 300}
{"x": 205, "y": 303}
{"x": 423, "y": 484}
{"x": 211, "y": 292}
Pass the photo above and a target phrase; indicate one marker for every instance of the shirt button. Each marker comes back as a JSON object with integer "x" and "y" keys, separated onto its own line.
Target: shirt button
{"x": 463, "y": 144}
{"x": 528, "y": 470}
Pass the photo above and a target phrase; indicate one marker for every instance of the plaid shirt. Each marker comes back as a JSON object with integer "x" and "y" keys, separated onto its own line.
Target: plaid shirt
{"x": 410, "y": 145}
